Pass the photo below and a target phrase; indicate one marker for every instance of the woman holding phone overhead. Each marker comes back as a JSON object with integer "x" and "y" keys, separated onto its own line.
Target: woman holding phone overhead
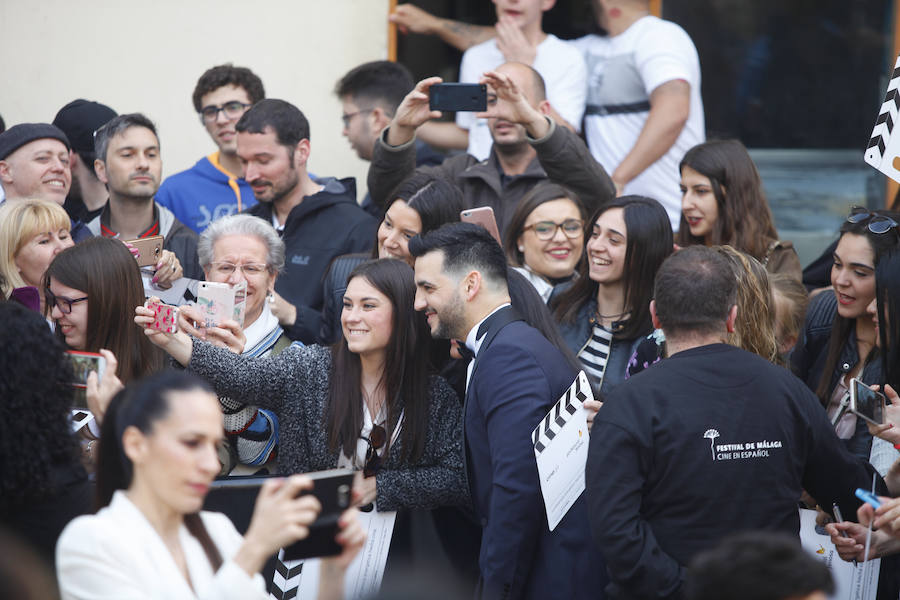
{"x": 149, "y": 540}
{"x": 367, "y": 402}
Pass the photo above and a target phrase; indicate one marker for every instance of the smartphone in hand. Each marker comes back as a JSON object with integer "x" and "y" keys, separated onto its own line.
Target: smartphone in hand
{"x": 866, "y": 402}
{"x": 221, "y": 301}
{"x": 83, "y": 363}
{"x": 165, "y": 316}
{"x": 149, "y": 250}
{"x": 458, "y": 97}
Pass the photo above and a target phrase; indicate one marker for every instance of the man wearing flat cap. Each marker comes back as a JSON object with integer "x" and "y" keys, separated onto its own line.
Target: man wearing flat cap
{"x": 34, "y": 162}
{"x": 79, "y": 120}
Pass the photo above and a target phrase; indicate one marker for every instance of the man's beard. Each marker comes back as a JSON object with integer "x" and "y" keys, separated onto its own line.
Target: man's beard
{"x": 451, "y": 321}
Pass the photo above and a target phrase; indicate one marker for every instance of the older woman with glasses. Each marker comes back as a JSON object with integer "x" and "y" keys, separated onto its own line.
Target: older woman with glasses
{"x": 545, "y": 237}
{"x": 235, "y": 249}
{"x": 838, "y": 337}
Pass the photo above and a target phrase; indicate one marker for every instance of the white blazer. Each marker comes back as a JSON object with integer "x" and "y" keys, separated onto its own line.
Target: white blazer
{"x": 116, "y": 554}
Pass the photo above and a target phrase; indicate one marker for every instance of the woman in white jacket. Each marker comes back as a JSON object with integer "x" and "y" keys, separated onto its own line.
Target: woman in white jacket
{"x": 157, "y": 460}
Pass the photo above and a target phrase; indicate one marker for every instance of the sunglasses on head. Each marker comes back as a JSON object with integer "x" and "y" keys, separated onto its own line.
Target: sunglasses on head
{"x": 878, "y": 224}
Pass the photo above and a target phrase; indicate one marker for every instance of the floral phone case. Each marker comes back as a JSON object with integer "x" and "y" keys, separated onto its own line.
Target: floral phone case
{"x": 165, "y": 317}
{"x": 220, "y": 301}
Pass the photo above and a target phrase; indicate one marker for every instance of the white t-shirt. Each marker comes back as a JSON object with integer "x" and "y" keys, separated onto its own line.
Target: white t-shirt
{"x": 565, "y": 78}
{"x": 623, "y": 72}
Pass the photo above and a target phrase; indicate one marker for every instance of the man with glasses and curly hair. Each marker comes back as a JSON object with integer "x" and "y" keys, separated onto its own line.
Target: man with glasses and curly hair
{"x": 214, "y": 187}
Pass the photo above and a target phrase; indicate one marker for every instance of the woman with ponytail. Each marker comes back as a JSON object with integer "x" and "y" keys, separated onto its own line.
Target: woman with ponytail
{"x": 149, "y": 539}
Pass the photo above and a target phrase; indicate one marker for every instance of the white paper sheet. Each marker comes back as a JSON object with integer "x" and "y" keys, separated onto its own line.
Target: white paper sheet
{"x": 560, "y": 448}
{"x": 851, "y": 583}
{"x": 365, "y": 573}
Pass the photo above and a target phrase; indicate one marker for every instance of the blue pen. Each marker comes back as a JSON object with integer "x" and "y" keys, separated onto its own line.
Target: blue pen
{"x": 867, "y": 496}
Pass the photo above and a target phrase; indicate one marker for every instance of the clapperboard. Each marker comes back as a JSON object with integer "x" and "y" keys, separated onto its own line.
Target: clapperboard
{"x": 560, "y": 448}
{"x": 883, "y": 151}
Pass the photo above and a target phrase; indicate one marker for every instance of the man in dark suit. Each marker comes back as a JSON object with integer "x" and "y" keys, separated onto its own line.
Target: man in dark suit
{"x": 515, "y": 377}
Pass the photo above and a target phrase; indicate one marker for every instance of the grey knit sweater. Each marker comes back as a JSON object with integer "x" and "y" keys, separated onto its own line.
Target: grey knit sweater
{"x": 294, "y": 384}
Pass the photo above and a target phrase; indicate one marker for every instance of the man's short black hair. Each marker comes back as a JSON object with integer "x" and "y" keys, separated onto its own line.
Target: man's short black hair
{"x": 694, "y": 290}
{"x": 380, "y": 81}
{"x": 757, "y": 565}
{"x": 116, "y": 126}
{"x": 285, "y": 119}
{"x": 466, "y": 247}
{"x": 228, "y": 74}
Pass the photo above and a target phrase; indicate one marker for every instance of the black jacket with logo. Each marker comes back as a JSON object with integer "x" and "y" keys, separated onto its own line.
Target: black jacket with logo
{"x": 711, "y": 441}
{"x": 323, "y": 226}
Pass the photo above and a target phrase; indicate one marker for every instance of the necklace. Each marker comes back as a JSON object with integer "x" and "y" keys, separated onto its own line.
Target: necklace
{"x": 616, "y": 316}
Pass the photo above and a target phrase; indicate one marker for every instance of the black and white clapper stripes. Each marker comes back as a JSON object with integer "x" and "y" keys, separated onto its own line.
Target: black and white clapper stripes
{"x": 883, "y": 146}
{"x": 559, "y": 415}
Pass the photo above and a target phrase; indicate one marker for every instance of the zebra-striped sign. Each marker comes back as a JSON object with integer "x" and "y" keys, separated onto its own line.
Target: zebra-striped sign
{"x": 883, "y": 145}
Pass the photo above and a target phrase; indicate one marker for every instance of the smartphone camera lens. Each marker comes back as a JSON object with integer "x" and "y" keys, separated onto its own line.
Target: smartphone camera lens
{"x": 343, "y": 495}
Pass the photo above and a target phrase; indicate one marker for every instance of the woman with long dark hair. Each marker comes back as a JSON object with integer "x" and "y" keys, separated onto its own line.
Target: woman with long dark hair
{"x": 723, "y": 203}
{"x": 91, "y": 291}
{"x": 149, "y": 540}
{"x": 606, "y": 311}
{"x": 367, "y": 402}
{"x": 838, "y": 338}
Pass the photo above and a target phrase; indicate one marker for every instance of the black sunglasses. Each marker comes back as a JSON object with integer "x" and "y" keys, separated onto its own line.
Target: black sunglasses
{"x": 878, "y": 224}
{"x": 377, "y": 438}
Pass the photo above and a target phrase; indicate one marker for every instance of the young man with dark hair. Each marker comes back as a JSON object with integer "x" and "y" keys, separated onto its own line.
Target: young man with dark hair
{"x": 710, "y": 439}
{"x": 528, "y": 148}
{"x": 214, "y": 187}
{"x": 370, "y": 94}
{"x": 515, "y": 377}
{"x": 79, "y": 119}
{"x": 318, "y": 220}
{"x": 129, "y": 163}
{"x": 758, "y": 565}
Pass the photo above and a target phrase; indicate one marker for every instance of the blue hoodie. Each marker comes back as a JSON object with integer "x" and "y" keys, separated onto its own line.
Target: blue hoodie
{"x": 203, "y": 193}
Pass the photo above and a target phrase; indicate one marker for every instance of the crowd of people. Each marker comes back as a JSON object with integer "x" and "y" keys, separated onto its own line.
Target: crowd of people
{"x": 387, "y": 338}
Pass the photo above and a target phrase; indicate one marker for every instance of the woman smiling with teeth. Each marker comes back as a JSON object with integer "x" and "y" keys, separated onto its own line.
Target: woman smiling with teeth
{"x": 545, "y": 237}
{"x": 605, "y": 313}
{"x": 838, "y": 338}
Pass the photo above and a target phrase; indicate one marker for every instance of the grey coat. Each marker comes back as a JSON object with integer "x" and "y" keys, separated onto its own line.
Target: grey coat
{"x": 294, "y": 384}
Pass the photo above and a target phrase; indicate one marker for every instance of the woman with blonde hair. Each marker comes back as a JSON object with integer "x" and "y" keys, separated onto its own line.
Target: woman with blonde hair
{"x": 32, "y": 233}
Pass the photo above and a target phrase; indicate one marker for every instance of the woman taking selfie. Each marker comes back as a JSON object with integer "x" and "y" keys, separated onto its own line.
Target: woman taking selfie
{"x": 150, "y": 540}
{"x": 606, "y": 311}
{"x": 545, "y": 237}
{"x": 366, "y": 403}
{"x": 838, "y": 337}
{"x": 91, "y": 292}
{"x": 723, "y": 203}
{"x": 232, "y": 250}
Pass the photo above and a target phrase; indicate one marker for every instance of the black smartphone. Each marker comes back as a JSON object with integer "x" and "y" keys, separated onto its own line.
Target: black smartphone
{"x": 458, "y": 97}
{"x": 866, "y": 403}
{"x": 236, "y": 497}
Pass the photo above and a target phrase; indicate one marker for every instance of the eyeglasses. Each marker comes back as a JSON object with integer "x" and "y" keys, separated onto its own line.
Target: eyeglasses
{"x": 225, "y": 269}
{"x": 345, "y": 119}
{"x": 232, "y": 110}
{"x": 63, "y": 304}
{"x": 545, "y": 230}
{"x": 377, "y": 438}
{"x": 878, "y": 224}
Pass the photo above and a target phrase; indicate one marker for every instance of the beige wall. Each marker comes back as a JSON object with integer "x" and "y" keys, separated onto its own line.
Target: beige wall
{"x": 146, "y": 57}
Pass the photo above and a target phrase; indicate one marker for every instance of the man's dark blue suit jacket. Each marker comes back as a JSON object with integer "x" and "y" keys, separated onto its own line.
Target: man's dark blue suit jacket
{"x": 517, "y": 377}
